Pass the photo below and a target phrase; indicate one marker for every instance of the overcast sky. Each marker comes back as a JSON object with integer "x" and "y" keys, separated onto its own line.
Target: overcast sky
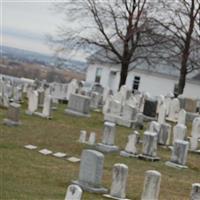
{"x": 25, "y": 24}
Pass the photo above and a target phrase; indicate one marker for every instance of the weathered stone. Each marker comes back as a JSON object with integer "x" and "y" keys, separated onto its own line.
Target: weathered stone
{"x": 195, "y": 194}
{"x": 179, "y": 154}
{"x": 162, "y": 114}
{"x": 151, "y": 185}
{"x": 79, "y": 105}
{"x": 190, "y": 105}
{"x": 108, "y": 139}
{"x": 119, "y": 179}
{"x": 91, "y": 171}
{"x": 92, "y": 138}
{"x": 13, "y": 115}
{"x": 164, "y": 134}
{"x": 174, "y": 109}
{"x": 83, "y": 135}
{"x": 74, "y": 192}
{"x": 196, "y": 128}
{"x": 131, "y": 149}
{"x": 179, "y": 132}
{"x": 182, "y": 117}
{"x": 149, "y": 146}
{"x": 154, "y": 127}
{"x": 150, "y": 107}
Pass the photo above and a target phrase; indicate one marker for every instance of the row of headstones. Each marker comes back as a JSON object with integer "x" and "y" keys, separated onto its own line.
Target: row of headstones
{"x": 90, "y": 178}
{"x": 156, "y": 134}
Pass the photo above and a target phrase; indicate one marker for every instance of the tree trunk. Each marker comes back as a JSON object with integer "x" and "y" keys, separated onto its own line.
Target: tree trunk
{"x": 123, "y": 74}
{"x": 182, "y": 80}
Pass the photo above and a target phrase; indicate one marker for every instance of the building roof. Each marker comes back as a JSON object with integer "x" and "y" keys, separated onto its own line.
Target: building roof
{"x": 150, "y": 59}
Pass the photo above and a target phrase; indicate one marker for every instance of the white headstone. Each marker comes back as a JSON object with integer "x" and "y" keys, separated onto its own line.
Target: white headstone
{"x": 74, "y": 192}
{"x": 151, "y": 185}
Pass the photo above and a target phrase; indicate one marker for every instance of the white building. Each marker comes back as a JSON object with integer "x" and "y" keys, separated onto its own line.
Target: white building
{"x": 157, "y": 80}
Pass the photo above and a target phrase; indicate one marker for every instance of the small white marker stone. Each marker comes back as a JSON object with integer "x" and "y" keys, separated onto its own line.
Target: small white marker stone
{"x": 30, "y": 146}
{"x": 45, "y": 152}
{"x": 74, "y": 159}
{"x": 59, "y": 155}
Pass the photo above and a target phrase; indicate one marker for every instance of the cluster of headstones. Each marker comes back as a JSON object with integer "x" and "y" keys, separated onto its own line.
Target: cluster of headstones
{"x": 149, "y": 152}
{"x": 11, "y": 90}
{"x": 90, "y": 180}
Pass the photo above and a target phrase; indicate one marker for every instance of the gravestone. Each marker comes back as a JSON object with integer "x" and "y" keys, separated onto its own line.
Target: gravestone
{"x": 191, "y": 105}
{"x": 119, "y": 179}
{"x": 160, "y": 99}
{"x": 83, "y": 135}
{"x": 196, "y": 128}
{"x": 194, "y": 143}
{"x": 162, "y": 114}
{"x": 96, "y": 100}
{"x": 115, "y": 107}
{"x": 164, "y": 134}
{"x": 195, "y": 193}
{"x": 151, "y": 185}
{"x": 179, "y": 132}
{"x": 74, "y": 192}
{"x": 131, "y": 149}
{"x": 91, "y": 172}
{"x": 150, "y": 107}
{"x": 13, "y": 115}
{"x": 108, "y": 138}
{"x": 179, "y": 154}
{"x": 79, "y": 105}
{"x": 149, "y": 146}
{"x": 32, "y": 102}
{"x": 92, "y": 138}
{"x": 174, "y": 109}
{"x": 154, "y": 127}
{"x": 182, "y": 117}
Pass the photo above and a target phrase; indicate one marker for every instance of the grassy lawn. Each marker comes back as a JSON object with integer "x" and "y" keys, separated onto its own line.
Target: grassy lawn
{"x": 27, "y": 174}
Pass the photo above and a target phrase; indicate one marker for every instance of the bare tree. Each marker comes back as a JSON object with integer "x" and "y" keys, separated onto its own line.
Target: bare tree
{"x": 181, "y": 21}
{"x": 119, "y": 27}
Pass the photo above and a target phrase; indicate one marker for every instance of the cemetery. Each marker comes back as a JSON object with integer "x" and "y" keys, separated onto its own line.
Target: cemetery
{"x": 61, "y": 142}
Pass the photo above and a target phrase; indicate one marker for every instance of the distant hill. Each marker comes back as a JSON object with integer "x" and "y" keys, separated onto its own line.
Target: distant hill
{"x": 39, "y": 58}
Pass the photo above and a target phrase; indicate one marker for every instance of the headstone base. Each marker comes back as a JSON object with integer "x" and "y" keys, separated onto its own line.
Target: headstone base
{"x": 150, "y": 158}
{"x": 75, "y": 113}
{"x": 88, "y": 188}
{"x": 9, "y": 122}
{"x": 195, "y": 151}
{"x": 128, "y": 155}
{"x": 28, "y": 112}
{"x": 106, "y": 148}
{"x": 175, "y": 165}
{"x": 119, "y": 120}
{"x": 171, "y": 120}
{"x": 148, "y": 119}
{"x": 42, "y": 115}
{"x": 111, "y": 197}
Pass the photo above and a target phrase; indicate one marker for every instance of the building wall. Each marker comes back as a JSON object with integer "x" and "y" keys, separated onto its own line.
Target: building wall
{"x": 154, "y": 84}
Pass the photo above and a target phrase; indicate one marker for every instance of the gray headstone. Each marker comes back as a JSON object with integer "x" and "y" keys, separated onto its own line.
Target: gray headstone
{"x": 164, "y": 134}
{"x": 91, "y": 171}
{"x": 151, "y": 185}
{"x": 119, "y": 179}
{"x": 180, "y": 152}
{"x": 74, "y": 192}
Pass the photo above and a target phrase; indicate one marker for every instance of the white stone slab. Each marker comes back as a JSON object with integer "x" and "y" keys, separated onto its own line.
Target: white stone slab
{"x": 73, "y": 159}
{"x": 30, "y": 146}
{"x": 59, "y": 155}
{"x": 45, "y": 152}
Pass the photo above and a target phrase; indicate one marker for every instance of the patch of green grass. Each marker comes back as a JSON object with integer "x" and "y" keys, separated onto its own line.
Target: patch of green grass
{"x": 27, "y": 174}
